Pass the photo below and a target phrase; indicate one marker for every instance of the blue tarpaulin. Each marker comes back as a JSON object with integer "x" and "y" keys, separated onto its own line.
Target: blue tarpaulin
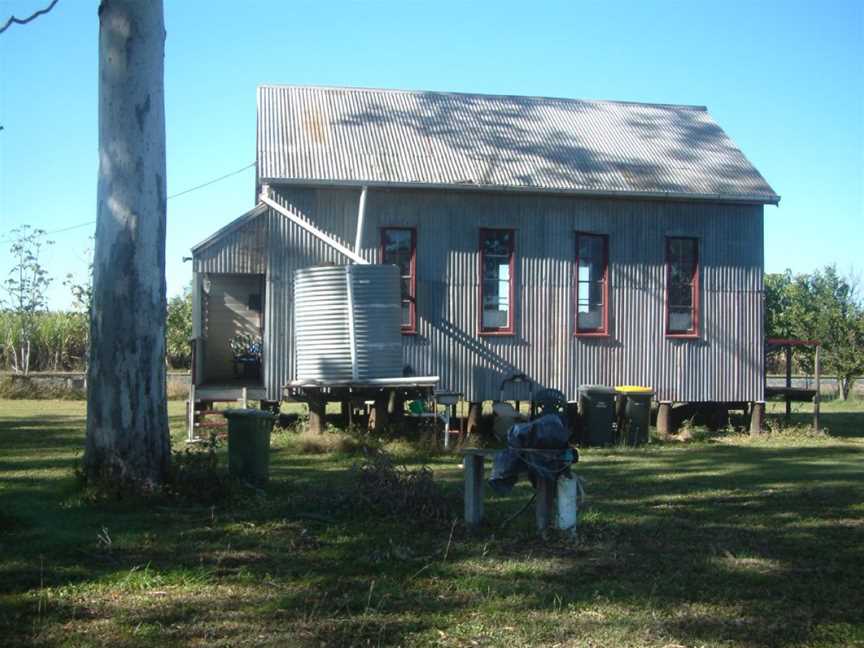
{"x": 545, "y": 433}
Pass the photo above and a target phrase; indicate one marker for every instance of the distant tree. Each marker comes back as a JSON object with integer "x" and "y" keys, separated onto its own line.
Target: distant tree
{"x": 778, "y": 305}
{"x": 82, "y": 289}
{"x": 82, "y": 296}
{"x": 823, "y": 306}
{"x": 25, "y": 290}
{"x": 179, "y": 329}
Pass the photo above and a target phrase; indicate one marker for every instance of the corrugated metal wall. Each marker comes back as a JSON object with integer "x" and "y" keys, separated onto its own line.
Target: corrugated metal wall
{"x": 241, "y": 250}
{"x": 724, "y": 364}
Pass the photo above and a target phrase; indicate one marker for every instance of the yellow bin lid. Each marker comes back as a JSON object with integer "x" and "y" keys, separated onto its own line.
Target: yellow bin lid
{"x": 633, "y": 389}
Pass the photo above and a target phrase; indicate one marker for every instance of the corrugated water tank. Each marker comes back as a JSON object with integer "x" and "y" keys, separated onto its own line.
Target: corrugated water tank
{"x": 346, "y": 322}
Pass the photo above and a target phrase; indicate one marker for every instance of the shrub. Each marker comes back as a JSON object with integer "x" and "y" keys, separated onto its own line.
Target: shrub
{"x": 389, "y": 489}
{"x": 302, "y": 441}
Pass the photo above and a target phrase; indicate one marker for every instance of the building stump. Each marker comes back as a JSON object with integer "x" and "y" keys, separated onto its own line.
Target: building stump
{"x": 664, "y": 418}
{"x": 317, "y": 415}
{"x": 757, "y": 418}
{"x": 475, "y": 410}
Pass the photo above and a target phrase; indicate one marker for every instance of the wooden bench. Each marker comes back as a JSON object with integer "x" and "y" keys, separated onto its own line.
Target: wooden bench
{"x": 474, "y": 460}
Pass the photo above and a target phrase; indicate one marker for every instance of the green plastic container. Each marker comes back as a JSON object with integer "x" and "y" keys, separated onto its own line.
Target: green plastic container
{"x": 249, "y": 444}
{"x": 637, "y": 414}
{"x": 597, "y": 406}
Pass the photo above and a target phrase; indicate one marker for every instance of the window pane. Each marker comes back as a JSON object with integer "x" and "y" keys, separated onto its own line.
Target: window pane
{"x": 397, "y": 240}
{"x": 590, "y": 319}
{"x": 680, "y": 320}
{"x": 398, "y": 250}
{"x": 591, "y": 282}
{"x": 490, "y": 292}
{"x": 496, "y": 248}
{"x": 495, "y": 318}
{"x": 590, "y": 270}
{"x": 406, "y": 288}
{"x": 404, "y": 263}
{"x": 590, "y": 247}
{"x": 681, "y": 273}
{"x": 494, "y": 269}
{"x": 595, "y": 293}
{"x": 688, "y": 251}
{"x": 681, "y": 296}
{"x": 682, "y": 260}
{"x": 497, "y": 243}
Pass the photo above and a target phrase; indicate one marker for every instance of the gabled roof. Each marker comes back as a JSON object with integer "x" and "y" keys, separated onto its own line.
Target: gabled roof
{"x": 356, "y": 136}
{"x": 231, "y": 227}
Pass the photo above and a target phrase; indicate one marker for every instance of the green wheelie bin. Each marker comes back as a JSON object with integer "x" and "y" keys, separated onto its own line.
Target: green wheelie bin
{"x": 249, "y": 444}
{"x": 597, "y": 407}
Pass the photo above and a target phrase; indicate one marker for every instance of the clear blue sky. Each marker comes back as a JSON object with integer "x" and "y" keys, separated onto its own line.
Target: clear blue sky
{"x": 784, "y": 78}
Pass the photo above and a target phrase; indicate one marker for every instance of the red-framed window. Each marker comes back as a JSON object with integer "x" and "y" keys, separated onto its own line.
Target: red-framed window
{"x": 592, "y": 284}
{"x": 497, "y": 281}
{"x": 399, "y": 248}
{"x": 682, "y": 287}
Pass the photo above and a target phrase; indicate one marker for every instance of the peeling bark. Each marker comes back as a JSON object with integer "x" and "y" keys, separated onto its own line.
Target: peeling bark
{"x": 127, "y": 419}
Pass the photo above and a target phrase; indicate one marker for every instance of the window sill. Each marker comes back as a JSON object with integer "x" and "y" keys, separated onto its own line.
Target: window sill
{"x": 591, "y": 334}
{"x": 409, "y": 331}
{"x": 497, "y": 333}
{"x": 682, "y": 336}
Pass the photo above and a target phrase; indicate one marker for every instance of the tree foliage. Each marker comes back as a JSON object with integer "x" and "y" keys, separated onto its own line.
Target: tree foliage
{"x": 822, "y": 306}
{"x": 179, "y": 330}
{"x": 25, "y": 287}
{"x": 57, "y": 340}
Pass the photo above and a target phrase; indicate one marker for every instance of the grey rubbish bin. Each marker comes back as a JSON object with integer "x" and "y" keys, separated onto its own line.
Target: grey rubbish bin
{"x": 636, "y": 415}
{"x": 597, "y": 407}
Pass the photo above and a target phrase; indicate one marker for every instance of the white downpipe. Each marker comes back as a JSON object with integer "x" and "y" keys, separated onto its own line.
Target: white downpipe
{"x": 314, "y": 231}
{"x": 352, "y": 342}
{"x": 361, "y": 214}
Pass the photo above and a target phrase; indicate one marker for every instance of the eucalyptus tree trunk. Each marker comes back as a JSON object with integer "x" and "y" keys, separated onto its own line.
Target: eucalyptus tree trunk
{"x": 127, "y": 419}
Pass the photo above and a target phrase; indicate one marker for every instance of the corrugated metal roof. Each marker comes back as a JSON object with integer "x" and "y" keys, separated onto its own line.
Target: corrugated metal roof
{"x": 334, "y": 136}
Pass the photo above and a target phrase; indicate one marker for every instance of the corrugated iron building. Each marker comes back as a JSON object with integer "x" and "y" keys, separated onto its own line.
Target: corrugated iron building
{"x": 448, "y": 166}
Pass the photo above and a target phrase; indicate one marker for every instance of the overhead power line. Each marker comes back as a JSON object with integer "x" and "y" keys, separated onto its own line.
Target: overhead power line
{"x": 179, "y": 193}
{"x": 213, "y": 181}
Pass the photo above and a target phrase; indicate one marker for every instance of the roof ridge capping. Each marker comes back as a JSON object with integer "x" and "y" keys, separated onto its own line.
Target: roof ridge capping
{"x": 300, "y": 86}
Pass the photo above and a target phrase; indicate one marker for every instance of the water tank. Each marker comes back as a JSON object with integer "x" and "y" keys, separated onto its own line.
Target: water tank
{"x": 346, "y": 322}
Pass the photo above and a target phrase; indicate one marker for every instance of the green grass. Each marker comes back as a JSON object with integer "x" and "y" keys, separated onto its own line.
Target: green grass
{"x": 721, "y": 542}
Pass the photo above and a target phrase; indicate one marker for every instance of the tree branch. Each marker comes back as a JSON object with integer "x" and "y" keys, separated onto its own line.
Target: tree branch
{"x": 23, "y": 21}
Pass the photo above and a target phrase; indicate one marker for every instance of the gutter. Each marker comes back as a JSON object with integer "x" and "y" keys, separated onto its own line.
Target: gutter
{"x": 750, "y": 199}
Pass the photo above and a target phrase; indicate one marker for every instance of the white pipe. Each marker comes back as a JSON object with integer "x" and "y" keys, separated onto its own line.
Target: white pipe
{"x": 361, "y": 213}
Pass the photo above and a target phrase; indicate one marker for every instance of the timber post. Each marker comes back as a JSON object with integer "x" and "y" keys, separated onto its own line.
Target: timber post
{"x": 345, "y": 413}
{"x": 787, "y": 397}
{"x": 817, "y": 397}
{"x": 396, "y": 406}
{"x": 473, "y": 466}
{"x": 317, "y": 414}
{"x": 378, "y": 418}
{"x": 474, "y": 412}
{"x": 664, "y": 418}
{"x": 757, "y": 418}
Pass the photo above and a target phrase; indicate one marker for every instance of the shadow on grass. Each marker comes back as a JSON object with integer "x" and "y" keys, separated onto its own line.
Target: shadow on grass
{"x": 838, "y": 418}
{"x": 743, "y": 545}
